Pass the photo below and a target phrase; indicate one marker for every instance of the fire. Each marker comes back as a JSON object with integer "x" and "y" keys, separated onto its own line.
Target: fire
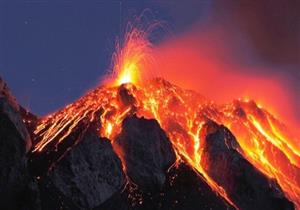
{"x": 128, "y": 75}
{"x": 108, "y": 129}
{"x": 131, "y": 56}
{"x": 265, "y": 141}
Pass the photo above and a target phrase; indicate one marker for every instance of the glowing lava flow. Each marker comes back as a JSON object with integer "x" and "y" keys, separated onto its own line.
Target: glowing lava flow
{"x": 266, "y": 143}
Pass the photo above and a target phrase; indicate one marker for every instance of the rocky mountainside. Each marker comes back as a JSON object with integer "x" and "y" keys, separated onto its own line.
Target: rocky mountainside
{"x": 139, "y": 169}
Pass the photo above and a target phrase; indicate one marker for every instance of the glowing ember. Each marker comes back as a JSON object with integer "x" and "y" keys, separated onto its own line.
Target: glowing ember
{"x": 266, "y": 143}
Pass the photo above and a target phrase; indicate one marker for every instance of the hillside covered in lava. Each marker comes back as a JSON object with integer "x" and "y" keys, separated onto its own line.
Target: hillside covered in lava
{"x": 149, "y": 146}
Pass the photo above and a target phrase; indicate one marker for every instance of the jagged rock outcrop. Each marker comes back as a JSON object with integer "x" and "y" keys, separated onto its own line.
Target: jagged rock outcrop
{"x": 10, "y": 107}
{"x": 15, "y": 181}
{"x": 247, "y": 187}
{"x": 145, "y": 151}
{"x": 86, "y": 176}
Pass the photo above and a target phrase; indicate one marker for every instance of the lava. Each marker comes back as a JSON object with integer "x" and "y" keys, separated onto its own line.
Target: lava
{"x": 264, "y": 140}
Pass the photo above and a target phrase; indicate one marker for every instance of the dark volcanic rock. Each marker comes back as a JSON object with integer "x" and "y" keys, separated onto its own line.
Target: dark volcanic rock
{"x": 13, "y": 173}
{"x": 124, "y": 95}
{"x": 85, "y": 177}
{"x": 30, "y": 121}
{"x": 246, "y": 186}
{"x": 146, "y": 152}
{"x": 31, "y": 196}
{"x": 15, "y": 181}
{"x": 10, "y": 107}
{"x": 184, "y": 189}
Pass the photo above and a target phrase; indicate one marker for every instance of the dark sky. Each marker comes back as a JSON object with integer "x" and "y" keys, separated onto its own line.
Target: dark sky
{"x": 51, "y": 52}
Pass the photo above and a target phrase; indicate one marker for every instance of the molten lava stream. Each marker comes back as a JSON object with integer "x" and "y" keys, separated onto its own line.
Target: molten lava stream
{"x": 264, "y": 146}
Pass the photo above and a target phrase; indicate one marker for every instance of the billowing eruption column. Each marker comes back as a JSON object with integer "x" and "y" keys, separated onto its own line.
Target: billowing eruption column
{"x": 250, "y": 144}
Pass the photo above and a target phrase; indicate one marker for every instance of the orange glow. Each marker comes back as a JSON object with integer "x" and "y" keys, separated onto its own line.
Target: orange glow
{"x": 264, "y": 140}
{"x": 108, "y": 129}
{"x": 130, "y": 57}
{"x": 205, "y": 61}
{"x": 128, "y": 75}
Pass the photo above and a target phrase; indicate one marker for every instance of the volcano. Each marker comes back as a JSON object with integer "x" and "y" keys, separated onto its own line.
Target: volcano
{"x": 137, "y": 143}
{"x": 155, "y": 146}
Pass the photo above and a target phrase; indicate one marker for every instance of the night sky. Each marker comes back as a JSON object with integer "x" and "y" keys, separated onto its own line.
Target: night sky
{"x": 52, "y": 52}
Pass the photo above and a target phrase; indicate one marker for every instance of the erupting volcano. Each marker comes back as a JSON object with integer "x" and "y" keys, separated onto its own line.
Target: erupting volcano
{"x": 243, "y": 153}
